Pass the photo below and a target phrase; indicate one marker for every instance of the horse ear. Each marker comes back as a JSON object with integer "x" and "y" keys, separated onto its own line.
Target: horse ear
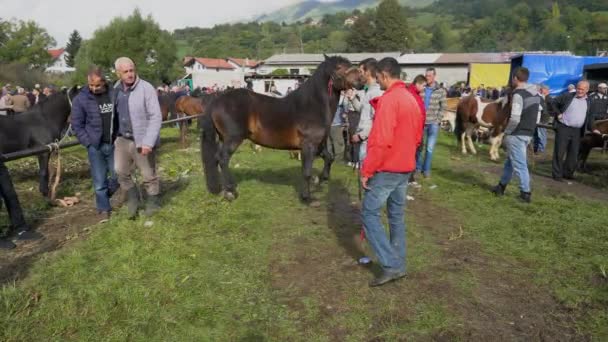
{"x": 325, "y": 56}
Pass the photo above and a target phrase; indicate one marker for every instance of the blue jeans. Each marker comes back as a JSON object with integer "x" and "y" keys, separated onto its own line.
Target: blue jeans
{"x": 540, "y": 139}
{"x": 517, "y": 161}
{"x": 102, "y": 166}
{"x": 431, "y": 133}
{"x": 389, "y": 188}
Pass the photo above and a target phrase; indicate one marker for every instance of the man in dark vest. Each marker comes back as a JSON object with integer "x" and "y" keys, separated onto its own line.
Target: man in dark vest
{"x": 525, "y": 114}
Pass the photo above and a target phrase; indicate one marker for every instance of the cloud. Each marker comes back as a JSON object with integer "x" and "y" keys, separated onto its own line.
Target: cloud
{"x": 61, "y": 17}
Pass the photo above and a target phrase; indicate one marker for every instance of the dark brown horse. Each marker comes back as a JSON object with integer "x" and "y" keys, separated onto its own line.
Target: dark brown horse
{"x": 473, "y": 113}
{"x": 300, "y": 121}
{"x": 591, "y": 141}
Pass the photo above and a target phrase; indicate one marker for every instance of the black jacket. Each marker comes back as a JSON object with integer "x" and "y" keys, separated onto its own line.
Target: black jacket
{"x": 562, "y": 102}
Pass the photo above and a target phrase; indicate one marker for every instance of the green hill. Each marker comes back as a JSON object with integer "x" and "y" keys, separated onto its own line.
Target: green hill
{"x": 316, "y": 10}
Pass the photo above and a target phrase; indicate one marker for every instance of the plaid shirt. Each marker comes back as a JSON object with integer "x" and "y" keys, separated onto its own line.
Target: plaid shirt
{"x": 438, "y": 104}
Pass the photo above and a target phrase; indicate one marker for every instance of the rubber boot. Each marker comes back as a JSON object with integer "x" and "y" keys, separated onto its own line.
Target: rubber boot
{"x": 499, "y": 190}
{"x": 152, "y": 205}
{"x": 132, "y": 202}
{"x": 525, "y": 196}
{"x": 6, "y": 244}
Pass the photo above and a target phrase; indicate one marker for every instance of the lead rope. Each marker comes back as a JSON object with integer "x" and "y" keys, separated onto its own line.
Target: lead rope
{"x": 55, "y": 152}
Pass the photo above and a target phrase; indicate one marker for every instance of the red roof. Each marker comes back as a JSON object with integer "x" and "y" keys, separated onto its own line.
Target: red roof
{"x": 55, "y": 53}
{"x": 211, "y": 63}
{"x": 250, "y": 63}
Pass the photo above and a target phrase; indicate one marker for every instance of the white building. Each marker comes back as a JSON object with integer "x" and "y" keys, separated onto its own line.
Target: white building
{"x": 208, "y": 72}
{"x": 248, "y": 66}
{"x": 58, "y": 64}
{"x": 306, "y": 63}
{"x": 262, "y": 83}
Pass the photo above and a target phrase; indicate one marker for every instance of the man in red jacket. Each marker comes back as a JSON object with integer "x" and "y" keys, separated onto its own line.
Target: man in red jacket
{"x": 391, "y": 157}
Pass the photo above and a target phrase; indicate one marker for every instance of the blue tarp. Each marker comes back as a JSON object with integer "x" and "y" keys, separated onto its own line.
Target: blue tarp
{"x": 556, "y": 71}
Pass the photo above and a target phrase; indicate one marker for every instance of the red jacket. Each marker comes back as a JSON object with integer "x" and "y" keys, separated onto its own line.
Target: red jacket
{"x": 395, "y": 133}
{"x": 416, "y": 93}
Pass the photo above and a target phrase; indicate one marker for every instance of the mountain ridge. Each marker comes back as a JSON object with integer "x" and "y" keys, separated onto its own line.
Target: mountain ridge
{"x": 315, "y": 9}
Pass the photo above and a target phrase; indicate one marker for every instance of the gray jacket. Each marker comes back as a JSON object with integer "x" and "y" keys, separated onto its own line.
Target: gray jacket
{"x": 144, "y": 111}
{"x": 367, "y": 111}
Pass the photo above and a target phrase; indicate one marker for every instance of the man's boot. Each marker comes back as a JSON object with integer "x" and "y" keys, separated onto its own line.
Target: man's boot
{"x": 132, "y": 202}
{"x": 499, "y": 190}
{"x": 152, "y": 205}
{"x": 24, "y": 232}
{"x": 525, "y": 196}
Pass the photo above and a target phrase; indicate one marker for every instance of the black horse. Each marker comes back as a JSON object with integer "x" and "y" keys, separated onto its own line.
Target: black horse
{"x": 41, "y": 125}
{"x": 299, "y": 121}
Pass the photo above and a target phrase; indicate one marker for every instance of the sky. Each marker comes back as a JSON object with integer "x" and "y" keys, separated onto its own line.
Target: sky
{"x": 61, "y": 17}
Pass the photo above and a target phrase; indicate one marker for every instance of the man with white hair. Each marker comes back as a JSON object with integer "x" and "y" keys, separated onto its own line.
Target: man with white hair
{"x": 572, "y": 122}
{"x": 139, "y": 121}
{"x": 599, "y": 102}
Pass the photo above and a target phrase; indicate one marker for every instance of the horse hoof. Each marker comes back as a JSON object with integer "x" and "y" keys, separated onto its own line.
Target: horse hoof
{"x": 230, "y": 196}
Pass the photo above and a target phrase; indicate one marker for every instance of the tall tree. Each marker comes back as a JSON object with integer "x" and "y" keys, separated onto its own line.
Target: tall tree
{"x": 441, "y": 37}
{"x": 141, "y": 39}
{"x": 26, "y": 43}
{"x": 392, "y": 33}
{"x": 361, "y": 36}
{"x": 72, "y": 48}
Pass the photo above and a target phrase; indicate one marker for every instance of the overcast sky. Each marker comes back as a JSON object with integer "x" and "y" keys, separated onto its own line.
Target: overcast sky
{"x": 60, "y": 17}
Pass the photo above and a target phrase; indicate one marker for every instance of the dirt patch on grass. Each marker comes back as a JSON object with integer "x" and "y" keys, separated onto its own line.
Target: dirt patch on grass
{"x": 486, "y": 298}
{"x": 59, "y": 226}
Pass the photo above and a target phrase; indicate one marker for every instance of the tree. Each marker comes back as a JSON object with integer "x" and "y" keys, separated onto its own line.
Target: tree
{"x": 141, "y": 39}
{"x": 361, "y": 37}
{"x": 72, "y": 48}
{"x": 392, "y": 33}
{"x": 25, "y": 42}
{"x": 441, "y": 37}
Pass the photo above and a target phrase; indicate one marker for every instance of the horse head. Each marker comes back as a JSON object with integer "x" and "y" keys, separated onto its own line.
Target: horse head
{"x": 342, "y": 74}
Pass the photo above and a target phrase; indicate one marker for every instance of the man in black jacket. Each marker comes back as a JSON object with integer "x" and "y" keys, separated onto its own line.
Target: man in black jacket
{"x": 18, "y": 225}
{"x": 599, "y": 102}
{"x": 573, "y": 119}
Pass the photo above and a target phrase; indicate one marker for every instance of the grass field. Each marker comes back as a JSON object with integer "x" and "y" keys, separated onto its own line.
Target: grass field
{"x": 265, "y": 267}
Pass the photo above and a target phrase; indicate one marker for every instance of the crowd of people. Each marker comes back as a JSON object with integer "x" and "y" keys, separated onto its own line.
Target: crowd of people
{"x": 388, "y": 130}
{"x": 16, "y": 99}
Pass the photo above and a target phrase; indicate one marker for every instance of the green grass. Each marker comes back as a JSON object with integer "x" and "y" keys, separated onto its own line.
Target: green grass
{"x": 265, "y": 267}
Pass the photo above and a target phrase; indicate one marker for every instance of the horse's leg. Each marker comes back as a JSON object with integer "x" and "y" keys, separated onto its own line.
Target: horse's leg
{"x": 308, "y": 156}
{"x": 471, "y": 145}
{"x": 183, "y": 128}
{"x": 328, "y": 159}
{"x": 498, "y": 145}
{"x": 463, "y": 144}
{"x": 227, "y": 148}
{"x": 43, "y": 164}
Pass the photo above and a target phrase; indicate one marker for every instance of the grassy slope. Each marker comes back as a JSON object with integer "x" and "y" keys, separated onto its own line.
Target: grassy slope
{"x": 209, "y": 270}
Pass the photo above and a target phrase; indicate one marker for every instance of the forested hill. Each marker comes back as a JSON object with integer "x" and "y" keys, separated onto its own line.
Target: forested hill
{"x": 313, "y": 9}
{"x": 443, "y": 26}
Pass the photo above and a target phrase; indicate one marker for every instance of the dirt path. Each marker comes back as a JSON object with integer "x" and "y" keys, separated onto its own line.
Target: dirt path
{"x": 60, "y": 226}
{"x": 488, "y": 300}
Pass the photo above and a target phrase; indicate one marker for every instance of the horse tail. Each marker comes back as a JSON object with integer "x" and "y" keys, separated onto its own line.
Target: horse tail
{"x": 459, "y": 123}
{"x": 209, "y": 151}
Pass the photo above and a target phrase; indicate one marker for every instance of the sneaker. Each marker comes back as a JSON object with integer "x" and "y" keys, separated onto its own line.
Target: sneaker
{"x": 26, "y": 234}
{"x": 386, "y": 277}
{"x": 7, "y": 244}
{"x": 525, "y": 196}
{"x": 499, "y": 190}
{"x": 103, "y": 216}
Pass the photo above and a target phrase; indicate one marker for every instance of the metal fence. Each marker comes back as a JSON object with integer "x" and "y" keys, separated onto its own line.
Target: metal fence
{"x": 51, "y": 147}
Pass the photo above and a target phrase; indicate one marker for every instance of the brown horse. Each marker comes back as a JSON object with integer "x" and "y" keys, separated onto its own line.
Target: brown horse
{"x": 591, "y": 141}
{"x": 301, "y": 120}
{"x": 473, "y": 113}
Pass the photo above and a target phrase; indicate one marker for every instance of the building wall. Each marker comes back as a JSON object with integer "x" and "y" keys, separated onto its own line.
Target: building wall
{"x": 303, "y": 69}
{"x": 261, "y": 85}
{"x": 208, "y": 78}
{"x": 446, "y": 74}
